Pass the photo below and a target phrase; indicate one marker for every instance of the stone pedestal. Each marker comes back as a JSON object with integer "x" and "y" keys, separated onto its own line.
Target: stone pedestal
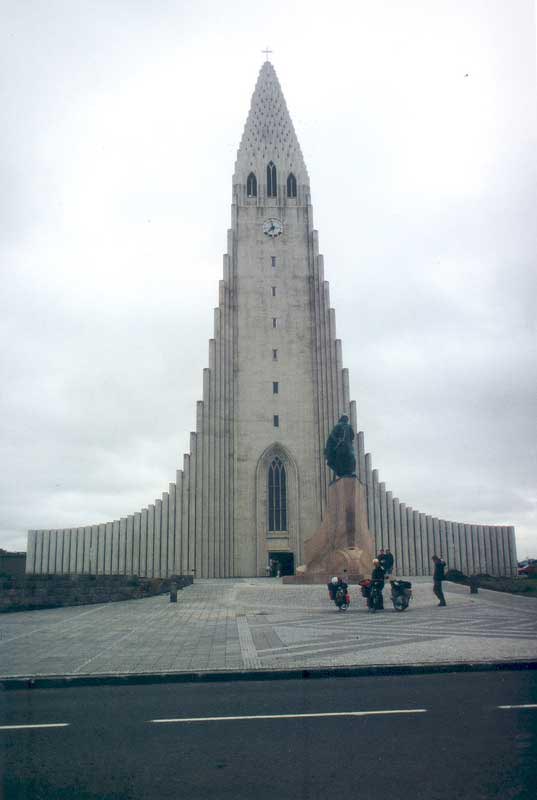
{"x": 343, "y": 545}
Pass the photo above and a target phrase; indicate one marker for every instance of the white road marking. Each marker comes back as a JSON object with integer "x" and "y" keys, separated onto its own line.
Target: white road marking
{"x": 522, "y": 705}
{"x": 294, "y": 716}
{"x": 23, "y": 727}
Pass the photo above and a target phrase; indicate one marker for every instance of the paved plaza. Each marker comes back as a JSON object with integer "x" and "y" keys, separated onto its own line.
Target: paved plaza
{"x": 258, "y": 623}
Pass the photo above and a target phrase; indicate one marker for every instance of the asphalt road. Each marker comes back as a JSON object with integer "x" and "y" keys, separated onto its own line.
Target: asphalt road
{"x": 442, "y": 736}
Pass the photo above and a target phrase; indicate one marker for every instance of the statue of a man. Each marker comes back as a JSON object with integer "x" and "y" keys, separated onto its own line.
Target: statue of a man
{"x": 339, "y": 452}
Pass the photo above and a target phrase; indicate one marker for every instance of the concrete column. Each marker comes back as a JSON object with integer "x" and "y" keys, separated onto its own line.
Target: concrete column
{"x": 369, "y": 492}
{"x": 376, "y": 509}
{"x": 177, "y": 564}
{"x": 450, "y": 545}
{"x": 430, "y": 543}
{"x": 383, "y": 515}
{"x": 150, "y": 565}
{"x": 222, "y": 348}
{"x": 129, "y": 545}
{"x": 212, "y": 463}
{"x": 425, "y": 557}
{"x": 512, "y": 550}
{"x": 484, "y": 532}
{"x": 144, "y": 521}
{"x": 108, "y": 549}
{"x": 122, "y": 545}
{"x": 78, "y": 534}
{"x": 200, "y": 572}
{"x": 58, "y": 562}
{"x": 318, "y": 382}
{"x": 496, "y": 548}
{"x": 478, "y": 547}
{"x": 321, "y": 381}
{"x": 448, "y": 557}
{"x": 480, "y": 550}
{"x": 101, "y": 542}
{"x": 206, "y": 541}
{"x": 94, "y": 549}
{"x": 417, "y": 540}
{"x": 442, "y": 538}
{"x": 490, "y": 533}
{"x": 66, "y": 551}
{"x": 219, "y": 446}
{"x": 115, "y": 547}
{"x": 391, "y": 529}
{"x": 186, "y": 567}
{"x": 38, "y": 561}
{"x": 59, "y": 551}
{"x": 30, "y": 552}
{"x": 192, "y": 506}
{"x": 360, "y": 456}
{"x": 171, "y": 528}
{"x": 412, "y": 565}
{"x": 164, "y": 535}
{"x": 397, "y": 552}
{"x": 346, "y": 393}
{"x": 478, "y": 554}
{"x": 341, "y": 402}
{"x": 60, "y": 544}
{"x": 86, "y": 562}
{"x": 137, "y": 536}
{"x": 404, "y": 539}
{"x": 157, "y": 533}
{"x": 457, "y": 553}
{"x": 330, "y": 358}
{"x": 502, "y": 569}
{"x": 52, "y": 552}
{"x": 473, "y": 564}
{"x": 436, "y": 536}
{"x": 462, "y": 549}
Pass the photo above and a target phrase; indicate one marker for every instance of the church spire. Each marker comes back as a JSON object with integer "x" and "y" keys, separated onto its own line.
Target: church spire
{"x": 269, "y": 135}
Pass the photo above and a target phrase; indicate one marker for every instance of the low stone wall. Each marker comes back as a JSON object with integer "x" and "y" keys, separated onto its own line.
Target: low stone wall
{"x": 52, "y": 591}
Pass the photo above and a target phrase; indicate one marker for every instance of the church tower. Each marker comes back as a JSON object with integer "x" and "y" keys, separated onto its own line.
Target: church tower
{"x": 254, "y": 484}
{"x": 288, "y": 381}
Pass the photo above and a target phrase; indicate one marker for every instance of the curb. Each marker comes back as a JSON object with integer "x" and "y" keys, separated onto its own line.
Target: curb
{"x": 224, "y": 676}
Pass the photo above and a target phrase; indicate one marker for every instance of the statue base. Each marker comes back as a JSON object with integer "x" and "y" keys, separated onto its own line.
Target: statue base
{"x": 343, "y": 545}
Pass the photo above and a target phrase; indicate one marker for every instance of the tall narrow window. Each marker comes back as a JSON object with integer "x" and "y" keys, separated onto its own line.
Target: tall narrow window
{"x": 276, "y": 420}
{"x": 274, "y": 291}
{"x": 291, "y": 185}
{"x": 273, "y": 322}
{"x": 274, "y": 355}
{"x": 277, "y": 496}
{"x": 275, "y": 387}
{"x": 272, "y": 186}
{"x": 251, "y": 185}
{"x": 273, "y": 261}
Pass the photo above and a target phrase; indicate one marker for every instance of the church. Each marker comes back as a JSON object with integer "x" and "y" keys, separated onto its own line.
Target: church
{"x": 253, "y": 486}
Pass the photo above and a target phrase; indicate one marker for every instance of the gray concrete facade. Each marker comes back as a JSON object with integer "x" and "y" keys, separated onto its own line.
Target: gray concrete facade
{"x": 274, "y": 388}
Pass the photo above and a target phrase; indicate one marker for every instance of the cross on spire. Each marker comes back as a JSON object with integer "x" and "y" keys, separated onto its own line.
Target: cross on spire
{"x": 266, "y": 51}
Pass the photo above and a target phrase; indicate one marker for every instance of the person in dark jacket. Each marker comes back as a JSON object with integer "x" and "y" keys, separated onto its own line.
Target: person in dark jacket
{"x": 438, "y": 577}
{"x": 388, "y": 562}
{"x": 377, "y": 580}
{"x": 382, "y": 558}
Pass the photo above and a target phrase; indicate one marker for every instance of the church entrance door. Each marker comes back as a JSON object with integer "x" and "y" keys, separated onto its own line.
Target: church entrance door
{"x": 285, "y": 560}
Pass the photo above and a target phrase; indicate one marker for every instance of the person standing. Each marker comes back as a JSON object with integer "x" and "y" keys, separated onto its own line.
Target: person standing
{"x": 438, "y": 577}
{"x": 377, "y": 582}
{"x": 388, "y": 562}
{"x": 382, "y": 558}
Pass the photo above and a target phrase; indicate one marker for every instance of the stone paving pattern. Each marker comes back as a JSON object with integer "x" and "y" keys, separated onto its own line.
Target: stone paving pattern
{"x": 259, "y": 623}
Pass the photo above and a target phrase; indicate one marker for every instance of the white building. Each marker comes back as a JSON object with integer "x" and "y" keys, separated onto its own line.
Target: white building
{"x": 254, "y": 482}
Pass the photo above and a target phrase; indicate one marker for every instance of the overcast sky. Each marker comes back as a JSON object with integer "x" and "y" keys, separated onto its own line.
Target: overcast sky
{"x": 121, "y": 122}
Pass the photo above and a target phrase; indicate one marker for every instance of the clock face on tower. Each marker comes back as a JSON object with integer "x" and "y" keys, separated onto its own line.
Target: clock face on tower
{"x": 273, "y": 227}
